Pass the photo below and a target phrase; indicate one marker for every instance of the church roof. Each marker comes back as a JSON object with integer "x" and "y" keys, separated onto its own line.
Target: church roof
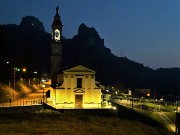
{"x": 79, "y": 70}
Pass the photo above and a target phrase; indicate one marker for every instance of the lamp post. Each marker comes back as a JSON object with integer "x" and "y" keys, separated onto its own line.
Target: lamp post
{"x": 43, "y": 92}
{"x": 14, "y": 76}
{"x": 132, "y": 100}
{"x": 177, "y": 119}
{"x": 29, "y": 82}
{"x": 29, "y": 79}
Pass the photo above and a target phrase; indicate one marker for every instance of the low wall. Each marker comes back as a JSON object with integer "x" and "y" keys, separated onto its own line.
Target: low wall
{"x": 21, "y": 109}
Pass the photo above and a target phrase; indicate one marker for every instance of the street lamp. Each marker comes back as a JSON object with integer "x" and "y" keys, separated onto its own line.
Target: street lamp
{"x": 14, "y": 76}
{"x": 29, "y": 79}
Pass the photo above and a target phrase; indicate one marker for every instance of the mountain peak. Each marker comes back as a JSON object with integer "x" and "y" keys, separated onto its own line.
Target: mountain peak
{"x": 31, "y": 23}
{"x": 84, "y": 31}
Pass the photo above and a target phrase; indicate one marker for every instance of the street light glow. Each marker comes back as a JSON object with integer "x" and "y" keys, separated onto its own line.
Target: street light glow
{"x": 24, "y": 69}
{"x": 35, "y": 72}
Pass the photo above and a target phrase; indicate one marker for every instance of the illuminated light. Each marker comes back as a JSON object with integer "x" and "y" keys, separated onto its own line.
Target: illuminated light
{"x": 24, "y": 69}
{"x": 57, "y": 34}
{"x": 7, "y": 62}
{"x": 18, "y": 69}
{"x": 35, "y": 72}
{"x": 112, "y": 107}
{"x": 43, "y": 85}
{"x": 148, "y": 95}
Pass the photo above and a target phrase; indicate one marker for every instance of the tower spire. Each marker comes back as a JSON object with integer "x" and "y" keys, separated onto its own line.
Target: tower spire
{"x": 57, "y": 8}
{"x": 57, "y": 20}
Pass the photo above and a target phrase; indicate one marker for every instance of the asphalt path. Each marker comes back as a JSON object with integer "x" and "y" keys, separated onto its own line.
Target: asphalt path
{"x": 29, "y": 100}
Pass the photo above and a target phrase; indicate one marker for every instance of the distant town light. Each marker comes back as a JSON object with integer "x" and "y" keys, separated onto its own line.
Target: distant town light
{"x": 114, "y": 108}
{"x": 24, "y": 69}
{"x": 35, "y": 72}
{"x": 43, "y": 80}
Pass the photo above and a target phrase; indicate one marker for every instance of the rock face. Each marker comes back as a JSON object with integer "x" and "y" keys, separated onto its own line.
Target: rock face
{"x": 88, "y": 49}
{"x": 27, "y": 44}
{"x": 30, "y": 23}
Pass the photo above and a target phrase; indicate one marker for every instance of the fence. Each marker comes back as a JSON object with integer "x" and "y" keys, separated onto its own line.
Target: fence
{"x": 22, "y": 103}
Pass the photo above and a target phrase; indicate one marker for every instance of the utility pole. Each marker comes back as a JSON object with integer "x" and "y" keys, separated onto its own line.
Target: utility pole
{"x": 43, "y": 92}
{"x": 132, "y": 101}
{"x": 14, "y": 78}
{"x": 29, "y": 83}
{"x": 177, "y": 119}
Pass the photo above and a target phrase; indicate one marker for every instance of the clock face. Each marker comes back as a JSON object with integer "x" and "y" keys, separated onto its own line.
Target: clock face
{"x": 57, "y": 35}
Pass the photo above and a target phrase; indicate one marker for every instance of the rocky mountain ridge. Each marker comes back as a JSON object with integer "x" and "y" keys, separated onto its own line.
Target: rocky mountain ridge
{"x": 27, "y": 44}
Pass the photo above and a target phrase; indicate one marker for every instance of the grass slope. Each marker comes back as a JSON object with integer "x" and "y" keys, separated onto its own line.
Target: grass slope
{"x": 74, "y": 124}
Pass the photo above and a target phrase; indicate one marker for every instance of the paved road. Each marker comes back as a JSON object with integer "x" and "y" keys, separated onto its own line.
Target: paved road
{"x": 31, "y": 99}
{"x": 162, "y": 115}
{"x": 167, "y": 121}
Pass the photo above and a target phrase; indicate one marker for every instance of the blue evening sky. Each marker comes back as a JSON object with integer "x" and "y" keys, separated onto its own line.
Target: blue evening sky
{"x": 146, "y": 31}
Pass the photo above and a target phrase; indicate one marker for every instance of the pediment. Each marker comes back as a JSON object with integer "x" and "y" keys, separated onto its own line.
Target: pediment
{"x": 79, "y": 70}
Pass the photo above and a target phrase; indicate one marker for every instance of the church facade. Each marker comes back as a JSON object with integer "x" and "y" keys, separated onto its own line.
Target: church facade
{"x": 78, "y": 88}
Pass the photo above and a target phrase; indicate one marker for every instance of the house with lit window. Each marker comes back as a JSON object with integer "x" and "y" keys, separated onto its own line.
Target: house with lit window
{"x": 78, "y": 90}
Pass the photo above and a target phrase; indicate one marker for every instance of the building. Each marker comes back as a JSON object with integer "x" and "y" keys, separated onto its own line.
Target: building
{"x": 56, "y": 49}
{"x": 77, "y": 88}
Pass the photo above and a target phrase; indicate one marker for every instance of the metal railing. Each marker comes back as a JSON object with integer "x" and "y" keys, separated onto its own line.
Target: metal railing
{"x": 22, "y": 103}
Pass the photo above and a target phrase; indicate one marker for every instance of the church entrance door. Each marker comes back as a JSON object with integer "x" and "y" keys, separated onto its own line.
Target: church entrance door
{"x": 78, "y": 101}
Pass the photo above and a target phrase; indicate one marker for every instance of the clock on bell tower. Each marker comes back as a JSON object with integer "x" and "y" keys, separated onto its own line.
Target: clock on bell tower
{"x": 56, "y": 48}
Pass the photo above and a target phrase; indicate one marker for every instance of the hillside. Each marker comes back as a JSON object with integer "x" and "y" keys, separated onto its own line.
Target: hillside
{"x": 27, "y": 44}
{"x": 74, "y": 124}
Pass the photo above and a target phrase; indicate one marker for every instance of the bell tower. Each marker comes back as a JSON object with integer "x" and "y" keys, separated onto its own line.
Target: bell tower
{"x": 56, "y": 49}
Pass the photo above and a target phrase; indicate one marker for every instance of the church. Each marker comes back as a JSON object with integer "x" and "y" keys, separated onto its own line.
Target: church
{"x": 77, "y": 87}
